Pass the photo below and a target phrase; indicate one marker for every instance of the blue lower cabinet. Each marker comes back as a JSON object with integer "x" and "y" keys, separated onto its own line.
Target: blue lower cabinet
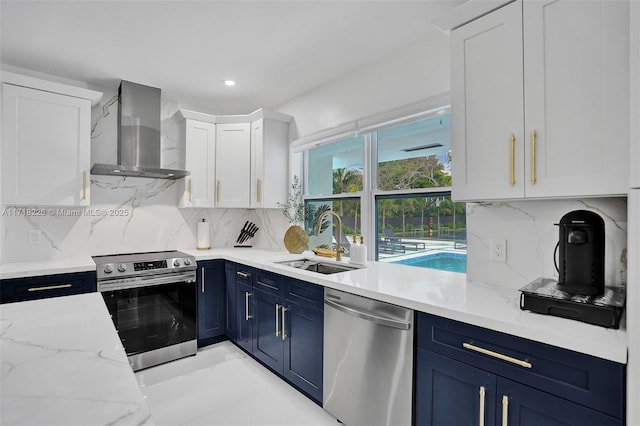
{"x": 244, "y": 316}
{"x": 42, "y": 287}
{"x": 211, "y": 302}
{"x": 303, "y": 329}
{"x": 230, "y": 301}
{"x": 267, "y": 336}
{"x": 467, "y": 375}
{"x": 524, "y": 405}
{"x": 449, "y": 392}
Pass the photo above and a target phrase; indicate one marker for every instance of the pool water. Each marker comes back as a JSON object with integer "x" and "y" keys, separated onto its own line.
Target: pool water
{"x": 454, "y": 262}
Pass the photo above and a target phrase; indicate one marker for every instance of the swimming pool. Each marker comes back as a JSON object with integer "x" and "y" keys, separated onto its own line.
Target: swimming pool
{"x": 446, "y": 261}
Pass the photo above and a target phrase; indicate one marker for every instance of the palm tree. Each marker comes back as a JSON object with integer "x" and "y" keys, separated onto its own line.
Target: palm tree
{"x": 345, "y": 180}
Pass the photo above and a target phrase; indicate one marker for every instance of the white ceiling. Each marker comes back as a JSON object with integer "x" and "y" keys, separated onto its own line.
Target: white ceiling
{"x": 275, "y": 50}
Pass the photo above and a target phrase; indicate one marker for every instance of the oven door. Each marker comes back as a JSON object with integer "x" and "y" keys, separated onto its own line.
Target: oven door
{"x": 153, "y": 317}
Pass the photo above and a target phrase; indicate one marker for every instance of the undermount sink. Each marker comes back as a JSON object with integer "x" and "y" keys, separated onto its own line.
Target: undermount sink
{"x": 325, "y": 268}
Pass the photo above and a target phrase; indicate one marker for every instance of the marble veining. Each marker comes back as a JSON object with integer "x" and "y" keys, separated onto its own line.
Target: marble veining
{"x": 63, "y": 364}
{"x": 447, "y": 294}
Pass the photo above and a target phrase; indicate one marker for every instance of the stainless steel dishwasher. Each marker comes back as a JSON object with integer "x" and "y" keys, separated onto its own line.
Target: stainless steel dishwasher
{"x": 368, "y": 360}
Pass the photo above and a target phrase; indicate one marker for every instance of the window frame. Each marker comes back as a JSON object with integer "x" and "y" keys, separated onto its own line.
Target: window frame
{"x": 368, "y": 128}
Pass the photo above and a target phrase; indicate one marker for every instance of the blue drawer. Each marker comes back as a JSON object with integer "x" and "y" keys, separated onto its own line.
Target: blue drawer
{"x": 41, "y": 287}
{"x": 587, "y": 380}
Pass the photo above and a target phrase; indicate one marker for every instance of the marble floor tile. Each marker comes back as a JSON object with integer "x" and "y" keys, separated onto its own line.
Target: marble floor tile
{"x": 221, "y": 385}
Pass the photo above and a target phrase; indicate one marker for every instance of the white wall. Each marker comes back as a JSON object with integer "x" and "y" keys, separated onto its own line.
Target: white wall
{"x": 417, "y": 72}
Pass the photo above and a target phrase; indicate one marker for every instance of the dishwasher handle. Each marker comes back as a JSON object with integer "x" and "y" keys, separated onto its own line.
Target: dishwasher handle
{"x": 402, "y": 325}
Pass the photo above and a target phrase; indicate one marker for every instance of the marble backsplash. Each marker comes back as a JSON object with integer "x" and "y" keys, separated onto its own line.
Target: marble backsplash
{"x": 528, "y": 227}
{"x": 136, "y": 214}
{"x": 129, "y": 214}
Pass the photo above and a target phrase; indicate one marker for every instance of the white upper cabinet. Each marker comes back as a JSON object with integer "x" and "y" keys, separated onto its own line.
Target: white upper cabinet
{"x": 46, "y": 133}
{"x": 233, "y": 165}
{"x": 236, "y": 161}
{"x": 269, "y": 162}
{"x": 199, "y": 142}
{"x": 540, "y": 101}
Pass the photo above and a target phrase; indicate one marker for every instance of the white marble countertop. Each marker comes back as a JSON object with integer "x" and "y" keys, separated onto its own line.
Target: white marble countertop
{"x": 447, "y": 294}
{"x": 46, "y": 267}
{"x": 63, "y": 364}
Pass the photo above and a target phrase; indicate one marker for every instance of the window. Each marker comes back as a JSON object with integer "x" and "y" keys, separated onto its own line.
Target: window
{"x": 391, "y": 183}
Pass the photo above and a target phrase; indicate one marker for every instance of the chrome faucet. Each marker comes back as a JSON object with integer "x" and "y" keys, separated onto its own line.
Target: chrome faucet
{"x": 339, "y": 248}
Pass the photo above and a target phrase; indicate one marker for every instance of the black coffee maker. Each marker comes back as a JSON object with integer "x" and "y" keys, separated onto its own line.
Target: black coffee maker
{"x": 581, "y": 257}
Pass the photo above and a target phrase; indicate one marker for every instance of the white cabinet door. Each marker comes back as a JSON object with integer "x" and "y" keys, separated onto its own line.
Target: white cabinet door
{"x": 45, "y": 148}
{"x": 576, "y": 69}
{"x": 233, "y": 165}
{"x": 269, "y": 163}
{"x": 200, "y": 160}
{"x": 487, "y": 107}
{"x": 567, "y": 106}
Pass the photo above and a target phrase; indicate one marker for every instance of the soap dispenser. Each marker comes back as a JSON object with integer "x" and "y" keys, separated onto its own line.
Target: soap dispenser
{"x": 363, "y": 252}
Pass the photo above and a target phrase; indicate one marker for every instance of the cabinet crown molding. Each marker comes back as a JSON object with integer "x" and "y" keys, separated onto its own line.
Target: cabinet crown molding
{"x": 183, "y": 114}
{"x": 50, "y": 86}
{"x": 467, "y": 12}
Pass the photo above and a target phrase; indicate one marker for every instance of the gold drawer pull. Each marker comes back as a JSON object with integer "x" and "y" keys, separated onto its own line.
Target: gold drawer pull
{"x": 84, "y": 185}
{"x": 512, "y": 160}
{"x": 505, "y": 410}
{"x": 259, "y": 190}
{"x": 507, "y": 358}
{"x": 242, "y": 274}
{"x": 50, "y": 287}
{"x": 190, "y": 191}
{"x": 482, "y": 398}
{"x": 533, "y": 157}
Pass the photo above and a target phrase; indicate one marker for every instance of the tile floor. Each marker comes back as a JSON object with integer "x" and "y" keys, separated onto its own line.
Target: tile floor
{"x": 221, "y": 385}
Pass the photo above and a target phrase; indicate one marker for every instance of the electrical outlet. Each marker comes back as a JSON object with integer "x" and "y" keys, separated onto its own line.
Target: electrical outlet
{"x": 498, "y": 250}
{"x": 35, "y": 237}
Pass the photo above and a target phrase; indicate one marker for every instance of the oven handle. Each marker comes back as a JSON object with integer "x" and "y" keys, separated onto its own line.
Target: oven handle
{"x": 185, "y": 277}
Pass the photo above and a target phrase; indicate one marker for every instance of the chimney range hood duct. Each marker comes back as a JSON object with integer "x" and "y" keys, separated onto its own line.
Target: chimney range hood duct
{"x": 138, "y": 135}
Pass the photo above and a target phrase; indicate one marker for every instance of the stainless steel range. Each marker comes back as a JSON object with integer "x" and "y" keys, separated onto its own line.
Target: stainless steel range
{"x": 152, "y": 300}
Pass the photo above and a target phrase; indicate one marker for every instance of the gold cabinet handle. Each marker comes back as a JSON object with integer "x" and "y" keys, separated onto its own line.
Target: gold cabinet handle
{"x": 202, "y": 284}
{"x": 259, "y": 190}
{"x": 218, "y": 185}
{"x": 190, "y": 191}
{"x": 277, "y": 320}
{"x": 482, "y": 397}
{"x": 507, "y": 358}
{"x": 284, "y": 333}
{"x": 247, "y": 317}
{"x": 512, "y": 160}
{"x": 505, "y": 410}
{"x": 242, "y": 274}
{"x": 84, "y": 185}
{"x": 533, "y": 157}
{"x": 49, "y": 287}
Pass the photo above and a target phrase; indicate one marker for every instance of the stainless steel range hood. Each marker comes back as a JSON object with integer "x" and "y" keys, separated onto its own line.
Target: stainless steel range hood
{"x": 138, "y": 135}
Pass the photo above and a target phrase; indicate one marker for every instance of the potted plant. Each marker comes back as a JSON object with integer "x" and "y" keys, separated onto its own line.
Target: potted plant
{"x": 296, "y": 239}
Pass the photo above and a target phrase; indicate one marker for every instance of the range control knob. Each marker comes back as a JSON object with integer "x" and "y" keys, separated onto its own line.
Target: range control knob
{"x": 187, "y": 261}
{"x": 176, "y": 263}
{"x": 108, "y": 269}
{"x": 122, "y": 267}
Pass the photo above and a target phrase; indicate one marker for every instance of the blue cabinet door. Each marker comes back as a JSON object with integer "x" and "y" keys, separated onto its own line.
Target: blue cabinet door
{"x": 231, "y": 317}
{"x": 267, "y": 323}
{"x": 244, "y": 316}
{"x": 449, "y": 392}
{"x": 526, "y": 406}
{"x": 303, "y": 329}
{"x": 211, "y": 301}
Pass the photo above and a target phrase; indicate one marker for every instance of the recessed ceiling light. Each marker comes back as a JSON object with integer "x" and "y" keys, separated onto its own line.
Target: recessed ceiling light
{"x": 229, "y": 83}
